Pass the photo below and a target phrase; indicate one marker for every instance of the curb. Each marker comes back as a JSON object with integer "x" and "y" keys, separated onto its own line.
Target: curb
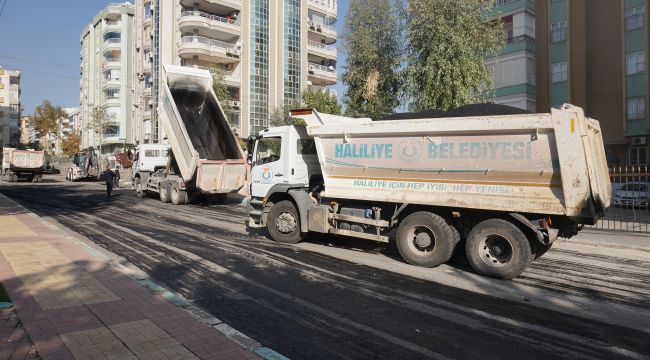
{"x": 135, "y": 273}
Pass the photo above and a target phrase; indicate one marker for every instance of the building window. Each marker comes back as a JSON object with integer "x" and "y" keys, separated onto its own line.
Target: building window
{"x": 635, "y": 62}
{"x": 559, "y": 72}
{"x": 147, "y": 10}
{"x": 558, "y": 31}
{"x": 638, "y": 156}
{"x": 636, "y": 108}
{"x": 634, "y": 17}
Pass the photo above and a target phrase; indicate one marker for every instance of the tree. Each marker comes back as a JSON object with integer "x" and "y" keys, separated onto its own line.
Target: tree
{"x": 47, "y": 119}
{"x": 374, "y": 56}
{"x": 71, "y": 144}
{"x": 221, "y": 91}
{"x": 322, "y": 101}
{"x": 280, "y": 116}
{"x": 100, "y": 121}
{"x": 448, "y": 42}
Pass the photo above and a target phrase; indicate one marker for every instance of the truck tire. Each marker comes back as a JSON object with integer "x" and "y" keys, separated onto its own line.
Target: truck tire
{"x": 283, "y": 223}
{"x": 138, "y": 188}
{"x": 498, "y": 248}
{"x": 177, "y": 196}
{"x": 164, "y": 192}
{"x": 32, "y": 179}
{"x": 425, "y": 239}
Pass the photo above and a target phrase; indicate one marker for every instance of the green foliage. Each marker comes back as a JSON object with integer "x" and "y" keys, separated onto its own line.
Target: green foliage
{"x": 221, "y": 90}
{"x": 47, "y": 119}
{"x": 322, "y": 101}
{"x": 448, "y": 42}
{"x": 280, "y": 116}
{"x": 374, "y": 56}
{"x": 71, "y": 144}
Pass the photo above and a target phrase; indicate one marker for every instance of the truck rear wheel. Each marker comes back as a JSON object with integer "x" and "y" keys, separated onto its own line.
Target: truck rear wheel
{"x": 425, "y": 239}
{"x": 138, "y": 188}
{"x": 164, "y": 193}
{"x": 497, "y": 248}
{"x": 283, "y": 223}
{"x": 178, "y": 197}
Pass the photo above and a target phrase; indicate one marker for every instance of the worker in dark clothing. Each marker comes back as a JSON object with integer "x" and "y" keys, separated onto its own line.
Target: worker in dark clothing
{"x": 109, "y": 177}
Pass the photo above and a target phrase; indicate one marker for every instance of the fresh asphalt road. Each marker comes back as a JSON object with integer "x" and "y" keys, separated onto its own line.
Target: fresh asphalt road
{"x": 337, "y": 298}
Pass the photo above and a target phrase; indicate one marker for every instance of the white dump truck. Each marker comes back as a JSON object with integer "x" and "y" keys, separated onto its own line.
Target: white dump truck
{"x": 205, "y": 158}
{"x": 506, "y": 185}
{"x": 25, "y": 164}
{"x": 84, "y": 165}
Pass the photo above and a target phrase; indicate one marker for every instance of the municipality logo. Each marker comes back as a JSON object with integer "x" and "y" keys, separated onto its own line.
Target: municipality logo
{"x": 409, "y": 151}
{"x": 266, "y": 174}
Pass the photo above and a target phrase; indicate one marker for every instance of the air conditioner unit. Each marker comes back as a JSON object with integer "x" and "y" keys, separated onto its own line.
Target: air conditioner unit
{"x": 639, "y": 140}
{"x": 311, "y": 68}
{"x": 235, "y": 104}
{"x": 318, "y": 28}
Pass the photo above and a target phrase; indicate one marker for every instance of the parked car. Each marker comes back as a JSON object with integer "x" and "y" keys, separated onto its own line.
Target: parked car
{"x": 634, "y": 194}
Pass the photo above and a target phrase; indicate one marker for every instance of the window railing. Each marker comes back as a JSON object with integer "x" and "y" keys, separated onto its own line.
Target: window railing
{"x": 207, "y": 41}
{"x": 111, "y": 59}
{"x": 520, "y": 38}
{"x": 113, "y": 40}
{"x": 318, "y": 26}
{"x": 330, "y": 4}
{"x": 112, "y": 22}
{"x": 215, "y": 18}
{"x": 504, "y": 2}
{"x": 313, "y": 67}
{"x": 321, "y": 46}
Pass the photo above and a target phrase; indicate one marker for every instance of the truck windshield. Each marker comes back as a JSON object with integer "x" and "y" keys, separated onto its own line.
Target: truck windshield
{"x": 268, "y": 150}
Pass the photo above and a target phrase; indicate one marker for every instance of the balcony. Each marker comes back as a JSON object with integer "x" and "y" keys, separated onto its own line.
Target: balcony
{"x": 323, "y": 50}
{"x": 112, "y": 62}
{"x": 208, "y": 49}
{"x": 112, "y": 100}
{"x": 321, "y": 75}
{"x": 323, "y": 89}
{"x": 230, "y": 76}
{"x": 112, "y": 43}
{"x": 146, "y": 67}
{"x": 327, "y": 7}
{"x": 233, "y": 4}
{"x": 218, "y": 27}
{"x": 112, "y": 26}
{"x": 111, "y": 83}
{"x": 322, "y": 32}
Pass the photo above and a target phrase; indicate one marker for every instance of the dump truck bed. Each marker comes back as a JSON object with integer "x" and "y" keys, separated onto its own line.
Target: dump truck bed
{"x": 204, "y": 146}
{"x": 528, "y": 163}
{"x": 23, "y": 159}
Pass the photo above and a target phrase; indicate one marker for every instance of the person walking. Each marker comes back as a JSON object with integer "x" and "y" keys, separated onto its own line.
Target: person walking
{"x": 109, "y": 177}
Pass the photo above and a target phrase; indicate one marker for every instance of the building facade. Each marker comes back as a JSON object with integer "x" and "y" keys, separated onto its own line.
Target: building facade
{"x": 590, "y": 53}
{"x": 514, "y": 68}
{"x": 269, "y": 52}
{"x": 10, "y": 107}
{"x": 107, "y": 77}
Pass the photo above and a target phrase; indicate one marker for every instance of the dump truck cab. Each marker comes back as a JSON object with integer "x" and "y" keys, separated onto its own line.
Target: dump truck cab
{"x": 284, "y": 156}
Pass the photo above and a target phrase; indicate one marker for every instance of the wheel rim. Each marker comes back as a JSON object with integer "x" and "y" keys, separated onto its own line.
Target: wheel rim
{"x": 286, "y": 223}
{"x": 495, "y": 250}
{"x": 421, "y": 240}
{"x": 138, "y": 186}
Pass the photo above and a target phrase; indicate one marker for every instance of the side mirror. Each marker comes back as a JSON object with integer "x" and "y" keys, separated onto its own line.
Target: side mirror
{"x": 250, "y": 147}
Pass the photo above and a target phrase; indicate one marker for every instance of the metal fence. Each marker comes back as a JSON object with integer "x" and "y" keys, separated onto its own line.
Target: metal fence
{"x": 630, "y": 209}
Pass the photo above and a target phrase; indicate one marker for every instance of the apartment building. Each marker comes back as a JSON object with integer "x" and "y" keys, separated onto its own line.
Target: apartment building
{"x": 107, "y": 76}
{"x": 10, "y": 107}
{"x": 268, "y": 51}
{"x": 514, "y": 68}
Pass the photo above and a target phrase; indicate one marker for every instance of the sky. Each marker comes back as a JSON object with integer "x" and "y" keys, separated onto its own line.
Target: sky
{"x": 41, "y": 39}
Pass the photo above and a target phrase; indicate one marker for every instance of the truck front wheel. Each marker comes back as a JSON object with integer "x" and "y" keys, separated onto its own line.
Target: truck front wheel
{"x": 138, "y": 188}
{"x": 164, "y": 193}
{"x": 497, "y": 248}
{"x": 425, "y": 239}
{"x": 283, "y": 223}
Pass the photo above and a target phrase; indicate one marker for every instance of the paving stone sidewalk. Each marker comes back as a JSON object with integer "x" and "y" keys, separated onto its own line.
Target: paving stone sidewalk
{"x": 73, "y": 305}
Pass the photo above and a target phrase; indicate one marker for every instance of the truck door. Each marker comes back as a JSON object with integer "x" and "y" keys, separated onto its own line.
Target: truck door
{"x": 268, "y": 164}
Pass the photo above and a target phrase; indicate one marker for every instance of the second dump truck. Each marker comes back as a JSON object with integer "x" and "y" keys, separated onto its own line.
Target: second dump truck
{"x": 205, "y": 157}
{"x": 507, "y": 185}
{"x": 25, "y": 164}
